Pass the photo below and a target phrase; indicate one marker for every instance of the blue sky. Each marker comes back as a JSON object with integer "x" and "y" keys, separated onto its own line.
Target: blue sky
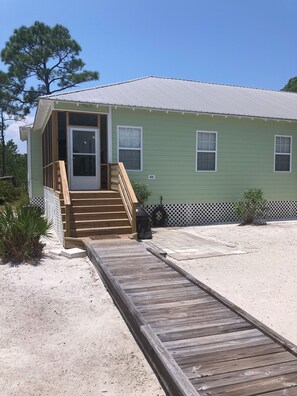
{"x": 241, "y": 42}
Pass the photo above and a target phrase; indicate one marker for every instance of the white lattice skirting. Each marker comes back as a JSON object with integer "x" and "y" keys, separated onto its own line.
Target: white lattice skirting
{"x": 38, "y": 201}
{"x": 209, "y": 213}
{"x": 53, "y": 211}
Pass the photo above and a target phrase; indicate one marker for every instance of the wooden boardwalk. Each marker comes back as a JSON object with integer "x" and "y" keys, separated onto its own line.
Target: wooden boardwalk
{"x": 197, "y": 342}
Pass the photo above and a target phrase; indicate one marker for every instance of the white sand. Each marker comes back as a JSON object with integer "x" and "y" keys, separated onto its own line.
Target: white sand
{"x": 60, "y": 334}
{"x": 264, "y": 281}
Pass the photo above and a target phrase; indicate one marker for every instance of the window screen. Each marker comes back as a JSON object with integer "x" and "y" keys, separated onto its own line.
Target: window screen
{"x": 206, "y": 151}
{"x": 130, "y": 147}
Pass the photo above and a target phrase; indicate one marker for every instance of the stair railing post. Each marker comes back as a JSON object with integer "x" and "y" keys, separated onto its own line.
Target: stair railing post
{"x": 134, "y": 206}
{"x": 67, "y": 220}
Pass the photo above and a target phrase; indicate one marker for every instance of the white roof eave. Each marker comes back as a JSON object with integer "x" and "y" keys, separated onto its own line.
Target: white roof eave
{"x": 24, "y": 130}
{"x": 42, "y": 112}
{"x": 169, "y": 110}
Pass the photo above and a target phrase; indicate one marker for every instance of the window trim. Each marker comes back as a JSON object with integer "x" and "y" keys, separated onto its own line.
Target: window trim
{"x": 206, "y": 151}
{"x": 290, "y": 154}
{"x": 139, "y": 149}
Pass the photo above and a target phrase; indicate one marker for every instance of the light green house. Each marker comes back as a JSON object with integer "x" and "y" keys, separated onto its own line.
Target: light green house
{"x": 198, "y": 145}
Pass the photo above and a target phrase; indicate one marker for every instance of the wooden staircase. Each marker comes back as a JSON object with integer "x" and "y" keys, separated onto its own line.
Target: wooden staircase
{"x": 95, "y": 213}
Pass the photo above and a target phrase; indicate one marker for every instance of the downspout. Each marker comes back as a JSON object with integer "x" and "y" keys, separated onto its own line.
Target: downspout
{"x": 29, "y": 165}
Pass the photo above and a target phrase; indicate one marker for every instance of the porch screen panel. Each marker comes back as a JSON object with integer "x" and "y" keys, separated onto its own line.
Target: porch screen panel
{"x": 83, "y": 119}
{"x": 104, "y": 149}
{"x": 62, "y": 136}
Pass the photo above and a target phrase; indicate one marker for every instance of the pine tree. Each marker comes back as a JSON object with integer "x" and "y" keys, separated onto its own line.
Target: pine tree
{"x": 47, "y": 56}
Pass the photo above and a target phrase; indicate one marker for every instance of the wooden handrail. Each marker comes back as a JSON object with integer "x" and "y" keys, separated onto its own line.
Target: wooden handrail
{"x": 119, "y": 181}
{"x": 64, "y": 189}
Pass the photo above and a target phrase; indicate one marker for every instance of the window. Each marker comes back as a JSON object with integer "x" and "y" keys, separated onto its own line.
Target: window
{"x": 130, "y": 147}
{"x": 282, "y": 153}
{"x": 206, "y": 148}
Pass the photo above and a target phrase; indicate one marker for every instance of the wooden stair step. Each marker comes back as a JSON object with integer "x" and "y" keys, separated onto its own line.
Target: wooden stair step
{"x": 93, "y": 194}
{"x": 85, "y": 232}
{"x": 99, "y": 223}
{"x": 95, "y": 208}
{"x": 96, "y": 216}
{"x": 96, "y": 201}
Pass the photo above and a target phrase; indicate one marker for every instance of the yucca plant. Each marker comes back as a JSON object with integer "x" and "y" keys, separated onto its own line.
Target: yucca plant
{"x": 20, "y": 233}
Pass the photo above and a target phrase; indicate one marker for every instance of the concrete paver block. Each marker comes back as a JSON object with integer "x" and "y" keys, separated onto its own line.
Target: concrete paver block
{"x": 73, "y": 253}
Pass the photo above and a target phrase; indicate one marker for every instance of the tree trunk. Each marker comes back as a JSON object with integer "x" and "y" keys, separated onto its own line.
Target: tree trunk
{"x": 3, "y": 145}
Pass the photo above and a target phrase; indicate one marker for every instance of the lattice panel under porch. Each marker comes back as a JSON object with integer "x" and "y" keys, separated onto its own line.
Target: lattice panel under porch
{"x": 38, "y": 201}
{"x": 224, "y": 212}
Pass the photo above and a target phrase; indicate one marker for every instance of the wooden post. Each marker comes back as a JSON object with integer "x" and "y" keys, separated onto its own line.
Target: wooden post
{"x": 55, "y": 148}
{"x": 134, "y": 206}
{"x": 108, "y": 177}
{"x": 66, "y": 196}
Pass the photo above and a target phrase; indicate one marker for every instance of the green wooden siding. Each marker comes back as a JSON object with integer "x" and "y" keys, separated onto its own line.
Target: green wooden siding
{"x": 245, "y": 156}
{"x": 36, "y": 164}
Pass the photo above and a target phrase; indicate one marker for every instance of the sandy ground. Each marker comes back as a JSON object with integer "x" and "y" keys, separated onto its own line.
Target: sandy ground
{"x": 60, "y": 334}
{"x": 264, "y": 280}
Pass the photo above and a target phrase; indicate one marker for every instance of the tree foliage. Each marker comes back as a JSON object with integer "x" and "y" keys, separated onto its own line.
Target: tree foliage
{"x": 11, "y": 107}
{"x": 15, "y": 163}
{"x": 48, "y": 55}
{"x": 291, "y": 85}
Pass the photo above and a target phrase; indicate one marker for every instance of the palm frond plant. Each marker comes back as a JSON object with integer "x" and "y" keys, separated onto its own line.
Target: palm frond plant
{"x": 20, "y": 233}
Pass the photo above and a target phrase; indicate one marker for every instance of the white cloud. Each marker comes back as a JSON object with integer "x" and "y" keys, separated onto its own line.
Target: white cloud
{"x": 12, "y": 132}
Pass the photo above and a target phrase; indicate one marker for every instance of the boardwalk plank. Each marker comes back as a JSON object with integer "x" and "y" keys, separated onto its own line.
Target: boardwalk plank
{"x": 194, "y": 318}
{"x": 252, "y": 388}
{"x": 169, "y": 296}
{"x": 247, "y": 375}
{"x": 208, "y": 369}
{"x": 212, "y": 339}
{"x": 283, "y": 392}
{"x": 193, "y": 332}
{"x": 177, "y": 304}
{"x": 221, "y": 346}
{"x": 235, "y": 354}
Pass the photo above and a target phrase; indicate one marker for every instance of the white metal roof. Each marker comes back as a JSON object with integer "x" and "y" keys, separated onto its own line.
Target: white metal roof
{"x": 189, "y": 96}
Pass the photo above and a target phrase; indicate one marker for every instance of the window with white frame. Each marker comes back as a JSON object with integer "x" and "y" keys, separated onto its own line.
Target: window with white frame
{"x": 130, "y": 147}
{"x": 282, "y": 153}
{"x": 206, "y": 151}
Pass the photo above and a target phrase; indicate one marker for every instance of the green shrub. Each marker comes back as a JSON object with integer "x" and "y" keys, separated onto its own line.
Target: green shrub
{"x": 141, "y": 191}
{"x": 8, "y": 192}
{"x": 20, "y": 231}
{"x": 252, "y": 206}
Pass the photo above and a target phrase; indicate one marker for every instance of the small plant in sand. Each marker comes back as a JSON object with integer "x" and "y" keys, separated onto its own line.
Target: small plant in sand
{"x": 21, "y": 230}
{"x": 252, "y": 206}
{"x": 141, "y": 191}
